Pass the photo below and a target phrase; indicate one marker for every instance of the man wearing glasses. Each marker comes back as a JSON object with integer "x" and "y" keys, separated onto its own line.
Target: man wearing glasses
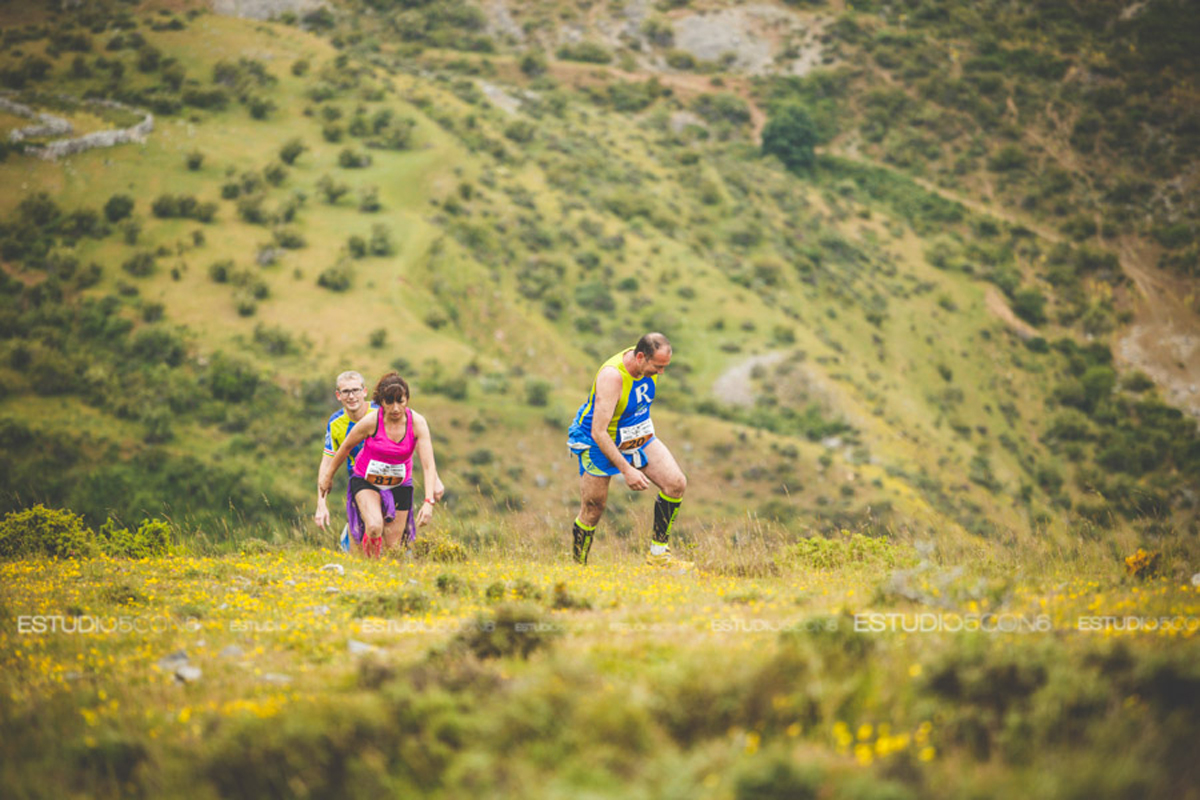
{"x": 351, "y": 392}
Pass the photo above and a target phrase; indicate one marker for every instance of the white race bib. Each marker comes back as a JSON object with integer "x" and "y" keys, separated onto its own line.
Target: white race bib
{"x": 380, "y": 473}
{"x": 634, "y": 436}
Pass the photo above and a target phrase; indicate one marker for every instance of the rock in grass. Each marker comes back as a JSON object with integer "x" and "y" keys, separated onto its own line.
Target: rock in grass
{"x": 359, "y": 648}
{"x": 187, "y": 673}
{"x": 171, "y": 662}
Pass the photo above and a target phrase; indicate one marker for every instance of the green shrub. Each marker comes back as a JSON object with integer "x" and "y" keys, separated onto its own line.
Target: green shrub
{"x": 790, "y": 135}
{"x": 1030, "y": 305}
{"x": 850, "y": 549}
{"x": 349, "y": 159}
{"x": 337, "y": 278}
{"x": 680, "y": 59}
{"x": 315, "y": 750}
{"x": 565, "y": 601}
{"x": 368, "y": 200}
{"x": 118, "y": 207}
{"x": 152, "y": 538}
{"x": 139, "y": 265}
{"x": 588, "y": 52}
{"x": 451, "y": 584}
{"x": 537, "y": 392}
{"x": 521, "y": 131}
{"x": 779, "y": 777}
{"x": 380, "y": 243}
{"x": 723, "y": 106}
{"x": 513, "y": 630}
{"x": 1008, "y": 158}
{"x": 410, "y": 601}
{"x": 331, "y": 189}
{"x": 291, "y": 150}
{"x": 533, "y": 63}
{"x": 274, "y": 173}
{"x": 441, "y": 549}
{"x": 231, "y": 380}
{"x": 594, "y": 296}
{"x": 110, "y": 757}
{"x": 45, "y": 531}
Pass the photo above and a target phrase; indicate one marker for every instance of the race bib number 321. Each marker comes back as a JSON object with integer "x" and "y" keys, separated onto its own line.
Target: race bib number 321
{"x": 380, "y": 473}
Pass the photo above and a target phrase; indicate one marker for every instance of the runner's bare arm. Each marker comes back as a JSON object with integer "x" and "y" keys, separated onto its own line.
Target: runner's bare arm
{"x": 432, "y": 483}
{"x": 608, "y": 391}
{"x": 322, "y": 515}
{"x": 361, "y": 430}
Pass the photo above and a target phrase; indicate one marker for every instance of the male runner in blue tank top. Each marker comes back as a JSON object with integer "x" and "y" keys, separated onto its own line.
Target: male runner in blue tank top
{"x": 612, "y": 433}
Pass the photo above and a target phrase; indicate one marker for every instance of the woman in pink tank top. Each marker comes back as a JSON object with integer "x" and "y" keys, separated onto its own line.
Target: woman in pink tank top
{"x": 390, "y": 435}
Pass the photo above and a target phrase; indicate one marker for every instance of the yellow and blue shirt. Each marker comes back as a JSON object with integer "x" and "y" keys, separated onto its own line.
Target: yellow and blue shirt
{"x": 336, "y": 430}
{"x": 630, "y": 427}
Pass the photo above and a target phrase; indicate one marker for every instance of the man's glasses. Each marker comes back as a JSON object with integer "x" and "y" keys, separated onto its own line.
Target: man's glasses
{"x": 350, "y": 391}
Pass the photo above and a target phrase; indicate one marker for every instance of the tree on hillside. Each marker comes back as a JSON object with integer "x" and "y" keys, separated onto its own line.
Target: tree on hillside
{"x": 790, "y": 135}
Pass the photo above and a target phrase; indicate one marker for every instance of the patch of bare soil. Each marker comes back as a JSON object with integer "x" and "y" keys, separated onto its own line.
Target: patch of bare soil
{"x": 733, "y": 386}
{"x": 1164, "y": 339}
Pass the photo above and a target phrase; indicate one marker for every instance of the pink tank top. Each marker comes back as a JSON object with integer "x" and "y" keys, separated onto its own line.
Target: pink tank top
{"x": 384, "y": 462}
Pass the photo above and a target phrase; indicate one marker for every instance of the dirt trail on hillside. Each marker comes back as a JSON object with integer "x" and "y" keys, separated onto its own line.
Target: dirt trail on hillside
{"x": 998, "y": 306}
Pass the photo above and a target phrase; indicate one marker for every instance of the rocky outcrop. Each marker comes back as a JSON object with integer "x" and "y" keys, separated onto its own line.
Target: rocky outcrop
{"x": 266, "y": 9}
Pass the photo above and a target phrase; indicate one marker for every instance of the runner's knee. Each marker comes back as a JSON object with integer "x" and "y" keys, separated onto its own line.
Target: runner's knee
{"x": 676, "y": 486}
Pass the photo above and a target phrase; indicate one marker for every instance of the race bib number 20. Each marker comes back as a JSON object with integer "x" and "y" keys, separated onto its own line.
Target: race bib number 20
{"x": 380, "y": 473}
{"x": 634, "y": 436}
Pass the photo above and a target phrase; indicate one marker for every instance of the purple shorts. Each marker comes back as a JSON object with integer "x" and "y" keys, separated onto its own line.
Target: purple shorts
{"x": 388, "y": 502}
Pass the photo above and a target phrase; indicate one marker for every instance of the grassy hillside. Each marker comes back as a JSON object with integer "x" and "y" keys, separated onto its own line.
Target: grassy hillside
{"x": 904, "y": 345}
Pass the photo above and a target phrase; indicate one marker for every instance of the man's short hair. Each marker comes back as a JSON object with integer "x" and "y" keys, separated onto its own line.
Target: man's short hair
{"x": 350, "y": 375}
{"x": 650, "y": 344}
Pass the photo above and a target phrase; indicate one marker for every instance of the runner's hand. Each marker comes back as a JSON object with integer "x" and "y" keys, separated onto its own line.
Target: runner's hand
{"x": 322, "y": 515}
{"x": 636, "y": 481}
{"x": 425, "y": 515}
{"x": 439, "y": 489}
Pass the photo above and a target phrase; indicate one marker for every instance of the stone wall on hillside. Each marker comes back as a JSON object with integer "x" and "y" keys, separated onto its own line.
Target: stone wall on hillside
{"x": 49, "y": 125}
{"x": 66, "y": 147}
{"x": 56, "y": 126}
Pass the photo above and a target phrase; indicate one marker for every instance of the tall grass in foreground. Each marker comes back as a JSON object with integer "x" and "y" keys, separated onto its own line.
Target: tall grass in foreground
{"x": 267, "y": 674}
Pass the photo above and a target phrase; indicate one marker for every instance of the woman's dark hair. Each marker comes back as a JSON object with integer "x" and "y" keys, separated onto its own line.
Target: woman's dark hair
{"x": 391, "y": 387}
